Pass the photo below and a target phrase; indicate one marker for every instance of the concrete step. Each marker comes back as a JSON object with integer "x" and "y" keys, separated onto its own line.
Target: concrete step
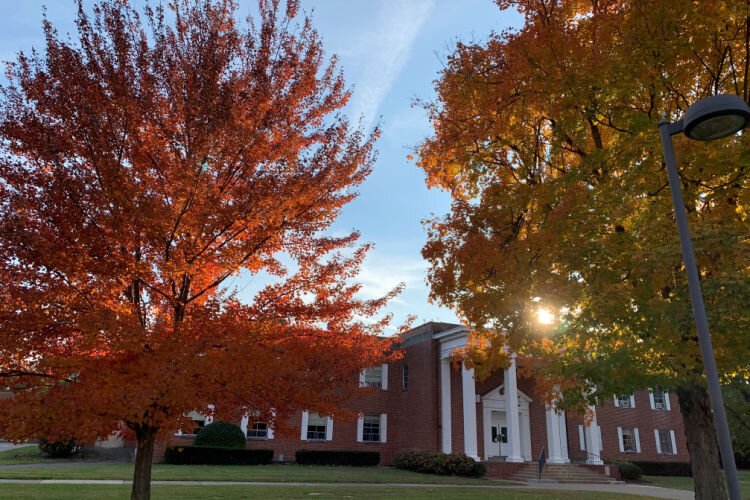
{"x": 567, "y": 473}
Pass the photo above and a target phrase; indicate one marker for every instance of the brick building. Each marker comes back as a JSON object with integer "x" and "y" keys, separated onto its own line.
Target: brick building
{"x": 424, "y": 402}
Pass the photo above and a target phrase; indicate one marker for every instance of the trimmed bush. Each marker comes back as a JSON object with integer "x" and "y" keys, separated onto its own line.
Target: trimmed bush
{"x": 629, "y": 471}
{"x": 435, "y": 462}
{"x": 58, "y": 449}
{"x": 665, "y": 468}
{"x": 220, "y": 435}
{"x": 207, "y": 455}
{"x": 337, "y": 457}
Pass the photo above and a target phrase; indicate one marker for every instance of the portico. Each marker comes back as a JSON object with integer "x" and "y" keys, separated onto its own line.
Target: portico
{"x": 506, "y": 428}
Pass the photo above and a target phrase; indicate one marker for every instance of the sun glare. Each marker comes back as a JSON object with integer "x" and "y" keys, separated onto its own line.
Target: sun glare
{"x": 545, "y": 316}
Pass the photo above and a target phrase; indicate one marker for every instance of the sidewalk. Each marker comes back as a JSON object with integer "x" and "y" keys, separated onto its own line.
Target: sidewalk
{"x": 632, "y": 489}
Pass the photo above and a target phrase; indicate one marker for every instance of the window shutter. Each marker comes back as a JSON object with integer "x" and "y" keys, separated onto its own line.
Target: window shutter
{"x": 637, "y": 440}
{"x": 243, "y": 424}
{"x": 617, "y": 402}
{"x": 674, "y": 442}
{"x": 269, "y": 433}
{"x": 666, "y": 401}
{"x": 632, "y": 400}
{"x": 360, "y": 425}
{"x": 329, "y": 428}
{"x": 651, "y": 398}
{"x": 384, "y": 377}
{"x": 383, "y": 427}
{"x": 303, "y": 433}
{"x": 619, "y": 439}
{"x": 582, "y": 437}
{"x": 658, "y": 444}
{"x": 362, "y": 378}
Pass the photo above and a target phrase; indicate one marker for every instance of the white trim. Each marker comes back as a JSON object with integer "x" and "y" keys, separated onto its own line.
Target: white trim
{"x": 362, "y": 378}
{"x": 305, "y": 419}
{"x": 619, "y": 440}
{"x": 445, "y": 404}
{"x": 666, "y": 401}
{"x": 632, "y": 400}
{"x": 360, "y": 427}
{"x": 581, "y": 438}
{"x": 674, "y": 442}
{"x": 384, "y": 377}
{"x": 329, "y": 428}
{"x": 383, "y": 427}
{"x": 617, "y": 401}
{"x": 651, "y": 398}
{"x": 658, "y": 444}
{"x": 637, "y": 440}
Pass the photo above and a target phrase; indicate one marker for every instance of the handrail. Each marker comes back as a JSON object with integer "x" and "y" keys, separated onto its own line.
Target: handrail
{"x": 542, "y": 461}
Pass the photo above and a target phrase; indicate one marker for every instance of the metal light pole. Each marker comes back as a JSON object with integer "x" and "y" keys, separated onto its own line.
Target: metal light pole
{"x": 713, "y": 118}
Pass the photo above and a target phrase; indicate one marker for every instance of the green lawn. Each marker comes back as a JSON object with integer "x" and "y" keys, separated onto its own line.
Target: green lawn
{"x": 274, "y": 473}
{"x": 686, "y": 483}
{"x": 86, "y": 492}
{"x": 26, "y": 455}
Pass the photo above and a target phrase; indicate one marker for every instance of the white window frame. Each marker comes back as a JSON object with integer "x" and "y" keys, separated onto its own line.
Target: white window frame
{"x": 666, "y": 405}
{"x": 671, "y": 438}
{"x": 383, "y": 422}
{"x": 306, "y": 420}
{"x": 245, "y": 423}
{"x": 636, "y": 439}
{"x": 383, "y": 378}
{"x": 623, "y": 396}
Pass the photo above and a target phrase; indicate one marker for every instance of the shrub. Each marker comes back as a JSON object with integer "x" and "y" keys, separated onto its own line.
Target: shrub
{"x": 220, "y": 435}
{"x": 665, "y": 468}
{"x": 434, "y": 462}
{"x": 629, "y": 471}
{"x": 58, "y": 449}
{"x": 337, "y": 457}
{"x": 207, "y": 455}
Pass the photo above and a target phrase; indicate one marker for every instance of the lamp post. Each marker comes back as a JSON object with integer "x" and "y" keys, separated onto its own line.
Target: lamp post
{"x": 712, "y": 118}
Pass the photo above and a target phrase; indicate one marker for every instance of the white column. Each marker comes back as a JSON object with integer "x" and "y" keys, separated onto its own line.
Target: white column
{"x": 593, "y": 440}
{"x": 557, "y": 439}
{"x": 470, "y": 412}
{"x": 511, "y": 412}
{"x": 445, "y": 403}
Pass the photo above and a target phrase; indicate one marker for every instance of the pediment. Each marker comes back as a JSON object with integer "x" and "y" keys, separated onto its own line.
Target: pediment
{"x": 497, "y": 394}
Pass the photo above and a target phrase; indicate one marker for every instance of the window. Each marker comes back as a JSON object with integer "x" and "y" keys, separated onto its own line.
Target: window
{"x": 258, "y": 430}
{"x": 374, "y": 377}
{"x": 665, "y": 442}
{"x": 659, "y": 399}
{"x": 405, "y": 377}
{"x": 371, "y": 428}
{"x": 625, "y": 401}
{"x": 629, "y": 440}
{"x": 316, "y": 427}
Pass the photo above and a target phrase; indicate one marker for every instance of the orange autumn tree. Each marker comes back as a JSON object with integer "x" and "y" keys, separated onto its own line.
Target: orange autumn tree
{"x": 145, "y": 163}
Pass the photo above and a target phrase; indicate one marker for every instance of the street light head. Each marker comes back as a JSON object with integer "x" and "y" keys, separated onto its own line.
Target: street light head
{"x": 716, "y": 117}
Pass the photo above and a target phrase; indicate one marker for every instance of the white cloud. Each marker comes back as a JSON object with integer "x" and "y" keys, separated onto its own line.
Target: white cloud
{"x": 382, "y": 51}
{"x": 380, "y": 275}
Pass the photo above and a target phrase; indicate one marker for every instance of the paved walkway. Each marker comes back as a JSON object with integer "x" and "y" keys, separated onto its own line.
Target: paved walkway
{"x": 632, "y": 489}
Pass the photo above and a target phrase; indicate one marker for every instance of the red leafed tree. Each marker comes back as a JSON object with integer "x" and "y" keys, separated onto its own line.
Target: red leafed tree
{"x": 142, "y": 164}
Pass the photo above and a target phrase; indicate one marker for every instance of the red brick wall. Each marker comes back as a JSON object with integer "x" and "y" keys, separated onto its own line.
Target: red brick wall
{"x": 457, "y": 411}
{"x": 646, "y": 420}
{"x": 537, "y": 417}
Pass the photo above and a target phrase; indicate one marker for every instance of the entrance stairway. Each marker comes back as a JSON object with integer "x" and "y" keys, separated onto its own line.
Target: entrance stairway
{"x": 560, "y": 473}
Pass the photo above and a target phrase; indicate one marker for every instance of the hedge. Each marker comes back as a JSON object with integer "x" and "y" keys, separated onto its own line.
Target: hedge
{"x": 209, "y": 455}
{"x": 58, "y": 449}
{"x": 221, "y": 435}
{"x": 435, "y": 462}
{"x": 337, "y": 457}
{"x": 629, "y": 470}
{"x": 665, "y": 468}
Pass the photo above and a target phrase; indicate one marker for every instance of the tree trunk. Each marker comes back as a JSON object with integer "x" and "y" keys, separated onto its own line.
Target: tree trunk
{"x": 703, "y": 447}
{"x": 144, "y": 457}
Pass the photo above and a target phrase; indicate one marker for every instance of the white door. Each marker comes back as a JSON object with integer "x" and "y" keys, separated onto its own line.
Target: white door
{"x": 499, "y": 431}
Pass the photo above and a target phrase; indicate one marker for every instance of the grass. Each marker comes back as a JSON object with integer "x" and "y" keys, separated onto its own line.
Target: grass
{"x": 686, "y": 483}
{"x": 86, "y": 492}
{"x": 271, "y": 473}
{"x": 26, "y": 455}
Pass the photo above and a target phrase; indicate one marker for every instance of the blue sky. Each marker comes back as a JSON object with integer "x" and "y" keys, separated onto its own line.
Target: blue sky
{"x": 391, "y": 52}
